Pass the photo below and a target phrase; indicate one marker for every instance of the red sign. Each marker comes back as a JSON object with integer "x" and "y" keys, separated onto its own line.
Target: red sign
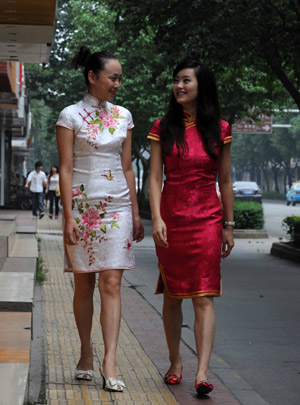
{"x": 249, "y": 126}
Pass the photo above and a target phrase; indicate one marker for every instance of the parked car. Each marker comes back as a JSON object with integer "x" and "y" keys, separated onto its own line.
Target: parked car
{"x": 247, "y": 190}
{"x": 293, "y": 195}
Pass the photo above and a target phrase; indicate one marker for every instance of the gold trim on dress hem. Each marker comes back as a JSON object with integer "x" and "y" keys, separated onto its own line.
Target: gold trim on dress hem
{"x": 214, "y": 293}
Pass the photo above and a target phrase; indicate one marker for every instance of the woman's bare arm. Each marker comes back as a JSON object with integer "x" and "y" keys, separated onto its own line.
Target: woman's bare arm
{"x": 156, "y": 176}
{"x": 64, "y": 138}
{"x": 138, "y": 229}
{"x": 225, "y": 185}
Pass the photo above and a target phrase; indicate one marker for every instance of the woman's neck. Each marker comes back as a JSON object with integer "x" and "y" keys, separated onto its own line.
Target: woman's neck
{"x": 92, "y": 92}
{"x": 190, "y": 108}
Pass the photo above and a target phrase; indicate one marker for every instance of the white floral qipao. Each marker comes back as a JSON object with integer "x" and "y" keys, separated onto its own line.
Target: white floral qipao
{"x": 100, "y": 196}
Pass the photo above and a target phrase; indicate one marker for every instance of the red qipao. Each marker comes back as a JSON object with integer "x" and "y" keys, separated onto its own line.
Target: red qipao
{"x": 190, "y": 266}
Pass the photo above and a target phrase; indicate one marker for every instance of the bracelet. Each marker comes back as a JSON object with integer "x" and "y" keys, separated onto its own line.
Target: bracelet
{"x": 230, "y": 223}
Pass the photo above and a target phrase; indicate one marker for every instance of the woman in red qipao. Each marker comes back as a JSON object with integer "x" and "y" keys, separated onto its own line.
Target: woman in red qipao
{"x": 193, "y": 144}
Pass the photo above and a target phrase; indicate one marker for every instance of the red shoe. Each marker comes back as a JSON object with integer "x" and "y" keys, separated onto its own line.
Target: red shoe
{"x": 203, "y": 387}
{"x": 173, "y": 379}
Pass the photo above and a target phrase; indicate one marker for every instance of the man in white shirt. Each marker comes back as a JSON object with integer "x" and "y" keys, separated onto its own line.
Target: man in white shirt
{"x": 37, "y": 179}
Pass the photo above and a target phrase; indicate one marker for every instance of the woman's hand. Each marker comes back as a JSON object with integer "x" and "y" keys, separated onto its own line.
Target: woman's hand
{"x": 228, "y": 242}
{"x": 160, "y": 233}
{"x": 138, "y": 229}
{"x": 71, "y": 232}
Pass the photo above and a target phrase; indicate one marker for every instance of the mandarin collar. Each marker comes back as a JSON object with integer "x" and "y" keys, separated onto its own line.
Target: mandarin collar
{"x": 93, "y": 101}
{"x": 188, "y": 116}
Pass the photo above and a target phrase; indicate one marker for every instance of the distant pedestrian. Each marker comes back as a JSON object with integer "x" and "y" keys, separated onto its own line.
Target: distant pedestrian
{"x": 37, "y": 180}
{"x": 53, "y": 193}
{"x": 101, "y": 216}
{"x": 193, "y": 144}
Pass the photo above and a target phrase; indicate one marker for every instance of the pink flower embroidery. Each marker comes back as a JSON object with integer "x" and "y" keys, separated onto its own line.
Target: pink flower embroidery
{"x": 128, "y": 245}
{"x": 91, "y": 219}
{"x": 116, "y": 216}
{"x": 76, "y": 192}
{"x": 115, "y": 110}
{"x": 109, "y": 122}
{"x": 94, "y": 129}
{"x": 104, "y": 114}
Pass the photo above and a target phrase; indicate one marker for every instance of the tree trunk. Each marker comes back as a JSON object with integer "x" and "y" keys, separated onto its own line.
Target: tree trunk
{"x": 275, "y": 170}
{"x": 266, "y": 178}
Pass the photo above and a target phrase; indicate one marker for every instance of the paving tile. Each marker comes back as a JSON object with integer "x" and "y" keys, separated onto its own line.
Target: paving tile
{"x": 13, "y": 381}
{"x": 24, "y": 246}
{"x": 20, "y": 265}
{"x": 14, "y": 355}
{"x": 16, "y": 291}
{"x": 62, "y": 344}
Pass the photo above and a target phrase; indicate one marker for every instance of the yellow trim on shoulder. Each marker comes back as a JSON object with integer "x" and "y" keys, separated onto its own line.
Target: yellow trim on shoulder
{"x": 154, "y": 137}
{"x": 228, "y": 139}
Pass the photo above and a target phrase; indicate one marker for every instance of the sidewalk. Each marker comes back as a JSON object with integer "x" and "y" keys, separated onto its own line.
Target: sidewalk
{"x": 142, "y": 351}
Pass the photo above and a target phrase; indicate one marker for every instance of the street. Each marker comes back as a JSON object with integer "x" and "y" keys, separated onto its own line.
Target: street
{"x": 274, "y": 214}
{"x": 258, "y": 316}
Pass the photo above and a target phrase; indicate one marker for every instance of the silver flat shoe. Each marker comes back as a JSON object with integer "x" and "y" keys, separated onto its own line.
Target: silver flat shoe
{"x": 112, "y": 385}
{"x": 86, "y": 375}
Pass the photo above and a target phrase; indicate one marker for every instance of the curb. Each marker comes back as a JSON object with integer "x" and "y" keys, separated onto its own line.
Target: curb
{"x": 250, "y": 234}
{"x": 285, "y": 251}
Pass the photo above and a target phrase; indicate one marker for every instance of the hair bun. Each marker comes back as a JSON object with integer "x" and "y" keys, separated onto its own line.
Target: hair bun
{"x": 80, "y": 58}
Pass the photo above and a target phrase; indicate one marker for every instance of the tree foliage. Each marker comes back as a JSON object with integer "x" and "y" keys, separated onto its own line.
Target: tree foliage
{"x": 253, "y": 48}
{"x": 262, "y": 35}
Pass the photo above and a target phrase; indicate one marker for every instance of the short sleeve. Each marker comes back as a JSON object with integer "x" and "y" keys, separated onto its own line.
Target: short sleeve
{"x": 154, "y": 133}
{"x": 65, "y": 119}
{"x": 30, "y": 176}
{"x": 226, "y": 135}
{"x": 130, "y": 121}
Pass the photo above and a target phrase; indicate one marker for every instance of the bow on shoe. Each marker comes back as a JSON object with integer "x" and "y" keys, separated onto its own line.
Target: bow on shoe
{"x": 113, "y": 382}
{"x": 84, "y": 374}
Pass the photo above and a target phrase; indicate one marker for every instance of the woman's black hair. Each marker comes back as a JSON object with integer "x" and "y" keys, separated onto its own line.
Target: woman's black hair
{"x": 51, "y": 173}
{"x": 90, "y": 61}
{"x": 208, "y": 113}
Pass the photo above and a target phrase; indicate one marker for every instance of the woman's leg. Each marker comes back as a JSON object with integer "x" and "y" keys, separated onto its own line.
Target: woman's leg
{"x": 204, "y": 329}
{"x": 172, "y": 318}
{"x": 83, "y": 311}
{"x": 56, "y": 206}
{"x": 110, "y": 317}
{"x": 51, "y": 196}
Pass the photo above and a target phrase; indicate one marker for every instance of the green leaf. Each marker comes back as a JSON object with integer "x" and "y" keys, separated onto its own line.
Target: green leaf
{"x": 103, "y": 228}
{"x": 81, "y": 188}
{"x": 77, "y": 220}
{"x": 96, "y": 121}
{"x": 112, "y": 130}
{"x": 87, "y": 205}
{"x": 102, "y": 215}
